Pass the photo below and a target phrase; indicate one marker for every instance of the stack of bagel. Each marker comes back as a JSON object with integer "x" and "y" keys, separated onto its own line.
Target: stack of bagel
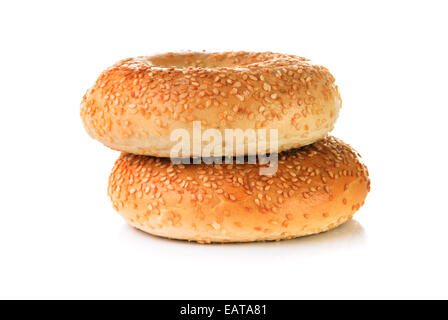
{"x": 136, "y": 105}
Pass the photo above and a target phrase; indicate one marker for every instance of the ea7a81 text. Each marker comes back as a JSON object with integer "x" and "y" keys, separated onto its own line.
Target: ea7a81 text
{"x": 228, "y": 309}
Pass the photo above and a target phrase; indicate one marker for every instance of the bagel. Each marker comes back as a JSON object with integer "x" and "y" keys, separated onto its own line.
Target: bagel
{"x": 316, "y": 188}
{"x": 135, "y": 105}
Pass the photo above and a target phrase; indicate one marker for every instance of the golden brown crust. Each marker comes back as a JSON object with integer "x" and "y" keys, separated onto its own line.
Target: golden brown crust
{"x": 136, "y": 104}
{"x": 316, "y": 188}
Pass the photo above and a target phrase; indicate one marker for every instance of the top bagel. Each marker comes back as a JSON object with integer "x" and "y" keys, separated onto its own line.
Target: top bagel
{"x": 136, "y": 104}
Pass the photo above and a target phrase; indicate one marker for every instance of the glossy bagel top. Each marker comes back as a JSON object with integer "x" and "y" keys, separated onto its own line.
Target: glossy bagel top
{"x": 136, "y": 104}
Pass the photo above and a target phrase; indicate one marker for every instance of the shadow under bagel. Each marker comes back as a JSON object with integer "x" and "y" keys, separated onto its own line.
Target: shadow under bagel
{"x": 349, "y": 235}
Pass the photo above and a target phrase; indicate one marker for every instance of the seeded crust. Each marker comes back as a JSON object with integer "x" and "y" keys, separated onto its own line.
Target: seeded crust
{"x": 136, "y": 104}
{"x": 315, "y": 189}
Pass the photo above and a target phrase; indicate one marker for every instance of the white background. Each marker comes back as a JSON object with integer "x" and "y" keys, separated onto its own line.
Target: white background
{"x": 60, "y": 237}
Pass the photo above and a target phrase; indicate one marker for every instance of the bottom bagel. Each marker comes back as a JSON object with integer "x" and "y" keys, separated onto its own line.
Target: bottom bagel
{"x": 316, "y": 188}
